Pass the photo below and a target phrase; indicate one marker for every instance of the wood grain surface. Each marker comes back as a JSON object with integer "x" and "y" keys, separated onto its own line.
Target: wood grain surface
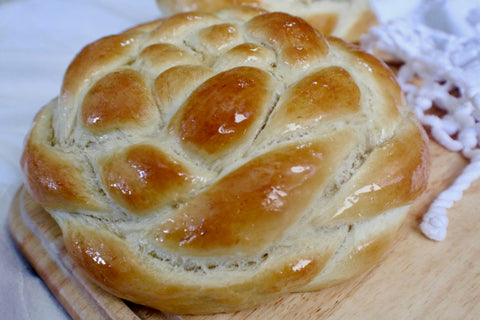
{"x": 418, "y": 279}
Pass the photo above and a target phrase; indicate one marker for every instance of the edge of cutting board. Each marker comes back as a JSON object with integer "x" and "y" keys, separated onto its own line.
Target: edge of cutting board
{"x": 418, "y": 279}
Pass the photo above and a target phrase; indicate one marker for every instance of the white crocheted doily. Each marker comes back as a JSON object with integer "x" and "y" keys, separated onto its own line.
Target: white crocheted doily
{"x": 449, "y": 66}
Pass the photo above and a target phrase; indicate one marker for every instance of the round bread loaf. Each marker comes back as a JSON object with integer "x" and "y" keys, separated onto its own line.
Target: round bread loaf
{"x": 346, "y": 19}
{"x": 210, "y": 162}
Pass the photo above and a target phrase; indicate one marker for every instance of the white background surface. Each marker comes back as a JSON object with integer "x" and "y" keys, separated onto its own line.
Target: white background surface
{"x": 38, "y": 39}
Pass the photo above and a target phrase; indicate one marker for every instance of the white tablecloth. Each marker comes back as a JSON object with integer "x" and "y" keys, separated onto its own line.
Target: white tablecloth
{"x": 37, "y": 41}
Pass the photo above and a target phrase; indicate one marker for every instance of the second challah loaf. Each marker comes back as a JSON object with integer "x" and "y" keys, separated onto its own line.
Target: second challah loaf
{"x": 346, "y": 19}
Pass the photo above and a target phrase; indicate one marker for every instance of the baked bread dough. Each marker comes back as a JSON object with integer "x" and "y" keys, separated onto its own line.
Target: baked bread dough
{"x": 209, "y": 162}
{"x": 346, "y": 19}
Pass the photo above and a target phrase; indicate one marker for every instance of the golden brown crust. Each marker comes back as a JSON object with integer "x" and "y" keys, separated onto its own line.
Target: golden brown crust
{"x": 55, "y": 179}
{"x": 173, "y": 6}
{"x": 179, "y": 25}
{"x": 272, "y": 189}
{"x": 321, "y": 96}
{"x": 348, "y": 20}
{"x": 323, "y": 22}
{"x": 161, "y": 56}
{"x": 108, "y": 51}
{"x": 115, "y": 267}
{"x": 296, "y": 41}
{"x": 118, "y": 100}
{"x": 365, "y": 21}
{"x": 208, "y": 162}
{"x": 394, "y": 174}
{"x": 218, "y": 36}
{"x": 222, "y": 112}
{"x": 143, "y": 178}
{"x": 177, "y": 82}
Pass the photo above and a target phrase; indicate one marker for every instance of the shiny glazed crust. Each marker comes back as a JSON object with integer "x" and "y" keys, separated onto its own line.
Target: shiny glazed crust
{"x": 208, "y": 162}
{"x": 346, "y": 19}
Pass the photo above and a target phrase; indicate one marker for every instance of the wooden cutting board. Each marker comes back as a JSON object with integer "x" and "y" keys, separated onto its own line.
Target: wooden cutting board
{"x": 418, "y": 279}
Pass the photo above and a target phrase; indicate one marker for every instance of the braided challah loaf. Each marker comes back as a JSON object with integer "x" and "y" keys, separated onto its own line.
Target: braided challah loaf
{"x": 209, "y": 162}
{"x": 346, "y": 19}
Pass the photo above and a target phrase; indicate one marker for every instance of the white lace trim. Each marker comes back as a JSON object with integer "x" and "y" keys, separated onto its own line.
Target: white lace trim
{"x": 450, "y": 69}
